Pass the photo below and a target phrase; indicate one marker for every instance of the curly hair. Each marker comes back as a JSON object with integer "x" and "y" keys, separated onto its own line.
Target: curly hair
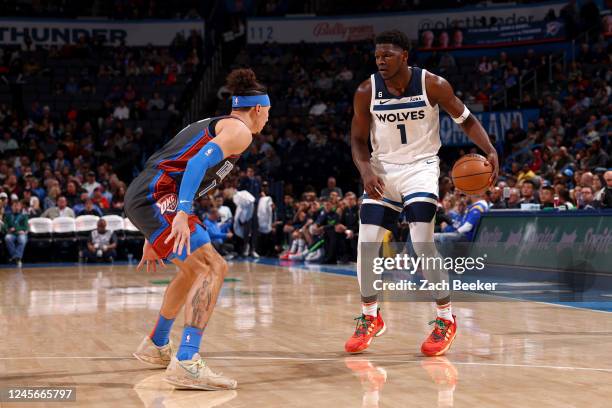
{"x": 395, "y": 37}
{"x": 243, "y": 81}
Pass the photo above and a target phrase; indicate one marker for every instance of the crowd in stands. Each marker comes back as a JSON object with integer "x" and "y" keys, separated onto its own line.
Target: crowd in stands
{"x": 282, "y": 7}
{"x": 114, "y": 9}
{"x": 78, "y": 121}
{"x": 72, "y": 147}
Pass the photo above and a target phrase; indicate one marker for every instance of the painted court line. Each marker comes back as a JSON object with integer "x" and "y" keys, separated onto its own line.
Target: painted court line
{"x": 323, "y": 359}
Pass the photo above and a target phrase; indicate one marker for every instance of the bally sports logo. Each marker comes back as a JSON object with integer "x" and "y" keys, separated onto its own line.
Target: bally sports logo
{"x": 344, "y": 32}
{"x": 169, "y": 202}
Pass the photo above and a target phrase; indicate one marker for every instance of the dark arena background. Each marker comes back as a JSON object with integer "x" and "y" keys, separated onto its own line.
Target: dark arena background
{"x": 89, "y": 90}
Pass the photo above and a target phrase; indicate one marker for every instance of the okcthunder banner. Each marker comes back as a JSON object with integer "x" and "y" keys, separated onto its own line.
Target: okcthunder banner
{"x": 292, "y": 30}
{"x": 60, "y": 32}
{"x": 495, "y": 124}
{"x": 495, "y": 35}
{"x": 575, "y": 240}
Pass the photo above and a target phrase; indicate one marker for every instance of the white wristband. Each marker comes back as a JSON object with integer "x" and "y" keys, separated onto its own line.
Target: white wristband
{"x": 459, "y": 120}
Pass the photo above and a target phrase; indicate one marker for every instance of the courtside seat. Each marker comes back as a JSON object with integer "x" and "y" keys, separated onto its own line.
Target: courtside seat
{"x": 114, "y": 223}
{"x": 40, "y": 239}
{"x": 133, "y": 239}
{"x": 40, "y": 228}
{"x": 64, "y": 238}
{"x": 64, "y": 227}
{"x": 85, "y": 224}
{"x": 130, "y": 229}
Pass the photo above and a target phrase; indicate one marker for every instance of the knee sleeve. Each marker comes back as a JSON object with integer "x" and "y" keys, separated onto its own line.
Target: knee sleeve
{"x": 421, "y": 234}
{"x": 369, "y": 242}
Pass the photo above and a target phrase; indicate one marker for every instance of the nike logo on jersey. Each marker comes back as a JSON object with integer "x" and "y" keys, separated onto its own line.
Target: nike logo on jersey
{"x": 430, "y": 161}
{"x": 383, "y": 102}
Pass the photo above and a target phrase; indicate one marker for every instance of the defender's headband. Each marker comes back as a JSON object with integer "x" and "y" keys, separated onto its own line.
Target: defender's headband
{"x": 247, "y": 101}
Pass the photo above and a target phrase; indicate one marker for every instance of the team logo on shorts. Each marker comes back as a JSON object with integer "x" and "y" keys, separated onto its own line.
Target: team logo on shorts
{"x": 169, "y": 202}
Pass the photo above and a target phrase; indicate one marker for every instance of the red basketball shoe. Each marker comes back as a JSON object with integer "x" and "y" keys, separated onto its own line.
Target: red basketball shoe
{"x": 367, "y": 328}
{"x": 441, "y": 338}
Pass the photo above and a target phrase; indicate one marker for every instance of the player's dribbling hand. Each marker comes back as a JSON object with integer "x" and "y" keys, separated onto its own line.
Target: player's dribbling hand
{"x": 373, "y": 186}
{"x": 180, "y": 233}
{"x": 493, "y": 161}
{"x": 150, "y": 258}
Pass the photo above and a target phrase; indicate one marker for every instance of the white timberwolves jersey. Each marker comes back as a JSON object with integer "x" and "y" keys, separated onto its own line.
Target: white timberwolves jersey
{"x": 404, "y": 128}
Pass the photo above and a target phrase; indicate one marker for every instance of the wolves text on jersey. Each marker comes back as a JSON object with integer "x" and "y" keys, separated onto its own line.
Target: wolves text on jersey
{"x": 394, "y": 117}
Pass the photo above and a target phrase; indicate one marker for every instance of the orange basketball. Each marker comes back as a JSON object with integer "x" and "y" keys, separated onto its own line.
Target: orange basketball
{"x": 471, "y": 174}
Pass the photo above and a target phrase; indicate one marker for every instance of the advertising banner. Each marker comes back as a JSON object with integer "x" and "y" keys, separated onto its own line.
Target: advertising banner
{"x": 494, "y": 123}
{"x": 496, "y": 35}
{"x": 61, "y": 32}
{"x": 291, "y": 30}
{"x": 575, "y": 241}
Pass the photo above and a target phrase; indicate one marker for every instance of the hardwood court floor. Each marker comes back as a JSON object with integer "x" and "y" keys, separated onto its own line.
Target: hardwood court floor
{"x": 280, "y": 333}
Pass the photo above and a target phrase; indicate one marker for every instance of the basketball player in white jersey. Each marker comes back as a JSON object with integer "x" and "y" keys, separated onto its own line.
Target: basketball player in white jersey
{"x": 397, "y": 108}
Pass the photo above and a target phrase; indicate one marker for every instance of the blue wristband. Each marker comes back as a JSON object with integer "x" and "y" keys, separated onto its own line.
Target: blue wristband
{"x": 209, "y": 156}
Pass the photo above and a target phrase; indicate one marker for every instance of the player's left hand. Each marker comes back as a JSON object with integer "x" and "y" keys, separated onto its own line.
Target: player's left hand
{"x": 150, "y": 258}
{"x": 494, "y": 162}
{"x": 180, "y": 234}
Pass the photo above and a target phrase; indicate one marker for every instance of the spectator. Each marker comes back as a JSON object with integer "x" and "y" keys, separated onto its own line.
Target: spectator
{"x": 60, "y": 210}
{"x": 219, "y": 232}
{"x": 250, "y": 183}
{"x": 4, "y": 202}
{"x": 526, "y": 173}
{"x": 225, "y": 214}
{"x": 91, "y": 184}
{"x": 466, "y": 230}
{"x": 243, "y": 219}
{"x": 586, "y": 199}
{"x": 347, "y": 229}
{"x": 324, "y": 228}
{"x": 265, "y": 218}
{"x": 156, "y": 103}
{"x": 90, "y": 209}
{"x": 497, "y": 201}
{"x": 99, "y": 199}
{"x": 284, "y": 222}
{"x": 121, "y": 112}
{"x": 547, "y": 197}
{"x": 118, "y": 201}
{"x": 318, "y": 108}
{"x": 33, "y": 210}
{"x": 565, "y": 200}
{"x": 597, "y": 157}
{"x": 331, "y": 186}
{"x": 16, "y": 228}
{"x": 102, "y": 244}
{"x": 51, "y": 197}
{"x": 514, "y": 199}
{"x": 37, "y": 189}
{"x": 606, "y": 199}
{"x": 72, "y": 194}
{"x": 527, "y": 193}
{"x": 8, "y": 143}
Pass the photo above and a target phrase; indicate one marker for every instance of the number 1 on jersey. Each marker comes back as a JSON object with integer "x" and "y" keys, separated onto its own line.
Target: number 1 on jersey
{"x": 402, "y": 129}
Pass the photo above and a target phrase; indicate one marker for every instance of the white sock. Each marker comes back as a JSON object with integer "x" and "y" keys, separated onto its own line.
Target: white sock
{"x": 445, "y": 312}
{"x": 370, "y": 309}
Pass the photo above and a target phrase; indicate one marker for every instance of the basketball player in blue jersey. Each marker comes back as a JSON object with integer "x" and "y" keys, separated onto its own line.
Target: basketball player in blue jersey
{"x": 397, "y": 108}
{"x": 159, "y": 202}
